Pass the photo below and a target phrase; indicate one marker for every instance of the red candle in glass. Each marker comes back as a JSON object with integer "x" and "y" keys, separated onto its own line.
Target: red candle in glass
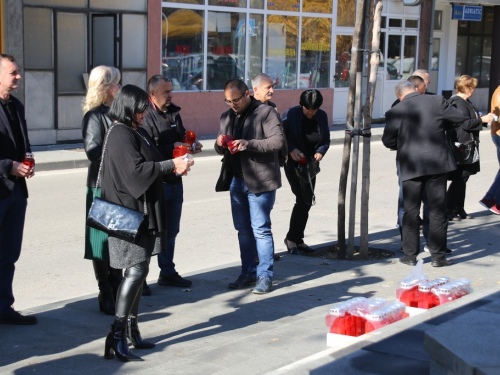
{"x": 28, "y": 160}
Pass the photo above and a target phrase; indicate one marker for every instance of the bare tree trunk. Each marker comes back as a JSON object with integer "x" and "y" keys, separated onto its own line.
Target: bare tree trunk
{"x": 367, "y": 117}
{"x": 357, "y": 43}
{"x": 355, "y": 163}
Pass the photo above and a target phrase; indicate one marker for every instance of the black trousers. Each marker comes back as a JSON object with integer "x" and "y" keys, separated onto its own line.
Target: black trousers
{"x": 435, "y": 188}
{"x": 456, "y": 191}
{"x": 300, "y": 211}
{"x": 130, "y": 290}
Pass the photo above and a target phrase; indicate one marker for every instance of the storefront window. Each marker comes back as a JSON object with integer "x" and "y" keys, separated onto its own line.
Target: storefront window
{"x": 182, "y": 48}
{"x": 343, "y": 60}
{"x": 256, "y": 46}
{"x": 394, "y": 57}
{"x": 474, "y": 44}
{"x": 229, "y": 3}
{"x": 315, "y": 6}
{"x": 138, "y": 5}
{"x": 66, "y": 3}
{"x": 225, "y": 49}
{"x": 281, "y": 56}
{"x": 290, "y": 5}
{"x": 346, "y": 13}
{"x": 315, "y": 52}
{"x": 38, "y": 38}
{"x": 257, "y": 4}
{"x": 409, "y": 56}
{"x": 200, "y": 2}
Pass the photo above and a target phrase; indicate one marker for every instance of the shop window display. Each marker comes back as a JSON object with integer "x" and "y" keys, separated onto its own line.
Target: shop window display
{"x": 315, "y": 52}
{"x": 282, "y": 49}
{"x": 182, "y": 48}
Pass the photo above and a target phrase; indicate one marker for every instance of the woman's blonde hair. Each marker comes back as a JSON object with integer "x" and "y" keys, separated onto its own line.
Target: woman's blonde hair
{"x": 100, "y": 78}
{"x": 466, "y": 84}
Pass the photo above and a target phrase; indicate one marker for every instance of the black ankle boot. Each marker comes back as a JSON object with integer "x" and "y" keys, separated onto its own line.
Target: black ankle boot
{"x": 135, "y": 336}
{"x": 106, "y": 303}
{"x": 116, "y": 342}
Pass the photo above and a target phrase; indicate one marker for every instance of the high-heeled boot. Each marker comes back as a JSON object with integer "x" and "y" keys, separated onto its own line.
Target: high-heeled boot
{"x": 106, "y": 298}
{"x": 134, "y": 334}
{"x": 116, "y": 342}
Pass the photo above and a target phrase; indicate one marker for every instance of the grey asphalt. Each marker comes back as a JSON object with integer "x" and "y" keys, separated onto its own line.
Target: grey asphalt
{"x": 209, "y": 329}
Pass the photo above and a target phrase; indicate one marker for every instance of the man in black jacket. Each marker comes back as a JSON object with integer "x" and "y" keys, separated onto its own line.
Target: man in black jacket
{"x": 14, "y": 143}
{"x": 252, "y": 176}
{"x": 164, "y": 125}
{"x": 416, "y": 130}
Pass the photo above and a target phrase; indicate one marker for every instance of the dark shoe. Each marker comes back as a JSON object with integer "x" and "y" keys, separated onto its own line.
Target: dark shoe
{"x": 291, "y": 250}
{"x": 13, "y": 317}
{"x": 276, "y": 257}
{"x": 264, "y": 285}
{"x": 306, "y": 249}
{"x": 106, "y": 303}
{"x": 464, "y": 215}
{"x": 448, "y": 251}
{"x": 408, "y": 261}
{"x": 134, "y": 334}
{"x": 453, "y": 216}
{"x": 116, "y": 342}
{"x": 243, "y": 281}
{"x": 174, "y": 280}
{"x": 441, "y": 263}
{"x": 146, "y": 290}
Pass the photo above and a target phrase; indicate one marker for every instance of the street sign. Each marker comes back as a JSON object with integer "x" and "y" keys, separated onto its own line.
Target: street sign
{"x": 467, "y": 12}
{"x": 240, "y": 28}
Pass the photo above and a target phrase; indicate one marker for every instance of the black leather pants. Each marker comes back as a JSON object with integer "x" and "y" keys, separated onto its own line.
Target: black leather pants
{"x": 130, "y": 290}
{"x": 108, "y": 279}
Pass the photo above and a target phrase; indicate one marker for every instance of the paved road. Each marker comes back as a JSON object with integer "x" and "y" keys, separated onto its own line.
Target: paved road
{"x": 211, "y": 329}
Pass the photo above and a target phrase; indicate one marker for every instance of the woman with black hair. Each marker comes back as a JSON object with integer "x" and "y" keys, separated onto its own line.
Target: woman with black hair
{"x": 131, "y": 176}
{"x": 308, "y": 136}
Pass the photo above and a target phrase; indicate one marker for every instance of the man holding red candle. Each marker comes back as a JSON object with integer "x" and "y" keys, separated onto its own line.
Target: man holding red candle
{"x": 14, "y": 143}
{"x": 251, "y": 174}
{"x": 164, "y": 125}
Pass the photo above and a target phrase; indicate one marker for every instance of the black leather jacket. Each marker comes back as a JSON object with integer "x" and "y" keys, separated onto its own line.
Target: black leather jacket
{"x": 95, "y": 125}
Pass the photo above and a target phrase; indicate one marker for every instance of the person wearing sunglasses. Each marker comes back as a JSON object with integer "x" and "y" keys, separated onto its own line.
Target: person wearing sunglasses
{"x": 251, "y": 173}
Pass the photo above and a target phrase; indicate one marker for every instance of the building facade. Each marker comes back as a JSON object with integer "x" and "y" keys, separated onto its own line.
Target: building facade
{"x": 200, "y": 44}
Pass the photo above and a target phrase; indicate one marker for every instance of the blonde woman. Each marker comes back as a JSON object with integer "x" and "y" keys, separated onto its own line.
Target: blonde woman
{"x": 103, "y": 86}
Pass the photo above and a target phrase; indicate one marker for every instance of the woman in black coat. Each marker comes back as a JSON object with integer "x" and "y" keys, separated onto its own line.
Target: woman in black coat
{"x": 103, "y": 86}
{"x": 132, "y": 172}
{"x": 308, "y": 138}
{"x": 469, "y": 130}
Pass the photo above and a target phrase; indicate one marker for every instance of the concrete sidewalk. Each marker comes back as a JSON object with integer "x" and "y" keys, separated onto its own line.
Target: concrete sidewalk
{"x": 67, "y": 156}
{"x": 209, "y": 329}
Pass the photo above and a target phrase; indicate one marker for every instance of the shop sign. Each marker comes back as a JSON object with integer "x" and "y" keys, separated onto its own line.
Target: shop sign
{"x": 467, "y": 12}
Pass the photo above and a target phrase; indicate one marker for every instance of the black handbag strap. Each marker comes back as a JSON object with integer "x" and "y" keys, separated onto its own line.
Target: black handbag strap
{"x": 101, "y": 163}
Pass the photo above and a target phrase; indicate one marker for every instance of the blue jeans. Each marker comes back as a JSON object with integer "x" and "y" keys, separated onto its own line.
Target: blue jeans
{"x": 494, "y": 191}
{"x": 12, "y": 214}
{"x": 174, "y": 196}
{"x": 252, "y": 219}
{"x": 401, "y": 209}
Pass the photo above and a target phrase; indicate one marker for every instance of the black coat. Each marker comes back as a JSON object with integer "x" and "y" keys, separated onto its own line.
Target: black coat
{"x": 292, "y": 123}
{"x": 468, "y": 130}
{"x": 416, "y": 129}
{"x": 131, "y": 168}
{"x": 9, "y": 150}
{"x": 165, "y": 132}
{"x": 95, "y": 125}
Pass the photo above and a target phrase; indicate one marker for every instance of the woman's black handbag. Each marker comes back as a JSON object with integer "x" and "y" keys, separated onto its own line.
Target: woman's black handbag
{"x": 112, "y": 218}
{"x": 466, "y": 153}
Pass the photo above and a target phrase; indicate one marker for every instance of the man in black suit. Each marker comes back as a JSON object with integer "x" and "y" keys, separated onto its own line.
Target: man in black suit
{"x": 14, "y": 143}
{"x": 416, "y": 129}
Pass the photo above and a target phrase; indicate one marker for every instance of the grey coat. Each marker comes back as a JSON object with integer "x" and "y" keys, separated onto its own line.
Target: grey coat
{"x": 259, "y": 162}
